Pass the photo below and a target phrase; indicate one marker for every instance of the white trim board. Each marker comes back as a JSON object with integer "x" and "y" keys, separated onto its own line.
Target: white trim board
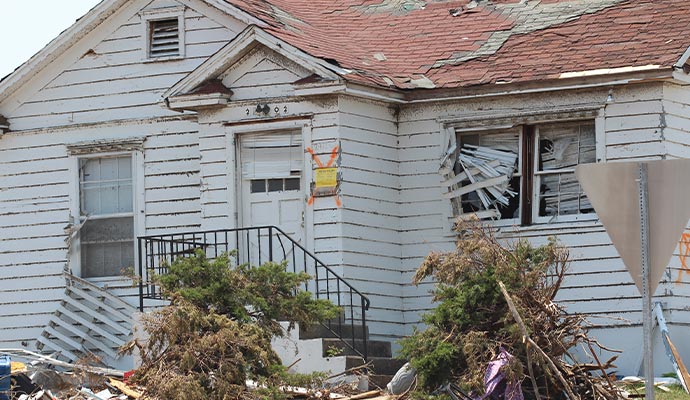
{"x": 239, "y": 47}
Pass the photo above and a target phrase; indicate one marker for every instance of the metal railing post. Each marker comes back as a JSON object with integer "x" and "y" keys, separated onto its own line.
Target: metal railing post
{"x": 141, "y": 277}
{"x": 270, "y": 243}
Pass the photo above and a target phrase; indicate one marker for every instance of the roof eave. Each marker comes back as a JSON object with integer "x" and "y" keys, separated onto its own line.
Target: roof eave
{"x": 536, "y": 86}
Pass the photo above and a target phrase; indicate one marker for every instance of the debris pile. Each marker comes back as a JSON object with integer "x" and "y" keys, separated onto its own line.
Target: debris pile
{"x": 46, "y": 378}
{"x": 43, "y": 377}
{"x": 496, "y": 321}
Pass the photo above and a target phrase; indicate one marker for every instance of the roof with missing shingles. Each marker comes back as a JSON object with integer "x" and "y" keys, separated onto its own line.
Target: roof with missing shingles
{"x": 458, "y": 43}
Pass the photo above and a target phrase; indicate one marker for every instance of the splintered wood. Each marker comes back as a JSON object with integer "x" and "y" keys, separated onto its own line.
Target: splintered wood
{"x": 487, "y": 173}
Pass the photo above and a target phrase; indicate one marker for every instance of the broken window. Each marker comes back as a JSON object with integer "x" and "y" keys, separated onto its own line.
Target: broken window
{"x": 523, "y": 172}
{"x": 107, "y": 215}
{"x": 487, "y": 171}
{"x": 561, "y": 148}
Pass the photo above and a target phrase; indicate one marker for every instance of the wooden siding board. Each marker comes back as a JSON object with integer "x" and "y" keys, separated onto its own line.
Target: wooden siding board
{"x": 633, "y": 130}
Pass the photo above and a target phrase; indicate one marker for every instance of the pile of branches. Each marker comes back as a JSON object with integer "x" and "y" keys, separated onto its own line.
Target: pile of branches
{"x": 216, "y": 333}
{"x": 494, "y": 296}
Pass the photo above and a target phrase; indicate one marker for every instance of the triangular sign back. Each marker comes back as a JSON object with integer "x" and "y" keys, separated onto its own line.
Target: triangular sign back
{"x": 612, "y": 188}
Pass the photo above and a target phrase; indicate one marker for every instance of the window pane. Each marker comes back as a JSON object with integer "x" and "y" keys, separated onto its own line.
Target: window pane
{"x": 292, "y": 184}
{"x": 91, "y": 201}
{"x": 108, "y": 169}
{"x": 90, "y": 170}
{"x": 109, "y": 198}
{"x": 125, "y": 198}
{"x": 564, "y": 146}
{"x": 107, "y": 230}
{"x": 275, "y": 185}
{"x": 107, "y": 246}
{"x": 258, "y": 186}
{"x": 124, "y": 170}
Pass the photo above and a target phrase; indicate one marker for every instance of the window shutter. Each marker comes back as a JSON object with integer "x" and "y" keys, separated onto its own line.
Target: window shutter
{"x": 165, "y": 38}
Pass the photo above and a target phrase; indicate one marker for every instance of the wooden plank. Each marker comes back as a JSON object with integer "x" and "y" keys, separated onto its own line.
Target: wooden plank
{"x": 79, "y": 319}
{"x": 50, "y": 344}
{"x": 94, "y": 311}
{"x": 481, "y": 184}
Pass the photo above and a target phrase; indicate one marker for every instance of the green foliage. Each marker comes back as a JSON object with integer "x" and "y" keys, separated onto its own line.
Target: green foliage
{"x": 471, "y": 320}
{"x": 261, "y": 294}
{"x": 217, "y": 331}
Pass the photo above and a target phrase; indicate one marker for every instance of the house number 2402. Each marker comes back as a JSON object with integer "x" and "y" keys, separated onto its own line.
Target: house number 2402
{"x": 266, "y": 110}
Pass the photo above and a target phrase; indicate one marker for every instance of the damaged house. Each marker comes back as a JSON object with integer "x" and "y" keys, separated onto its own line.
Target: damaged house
{"x": 342, "y": 136}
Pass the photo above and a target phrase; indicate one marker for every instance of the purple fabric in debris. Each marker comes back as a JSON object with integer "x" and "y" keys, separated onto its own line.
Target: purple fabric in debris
{"x": 495, "y": 383}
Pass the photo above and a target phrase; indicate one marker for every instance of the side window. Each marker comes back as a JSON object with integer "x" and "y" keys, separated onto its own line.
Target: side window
{"x": 107, "y": 214}
{"x": 525, "y": 173}
{"x": 561, "y": 148}
{"x": 487, "y": 167}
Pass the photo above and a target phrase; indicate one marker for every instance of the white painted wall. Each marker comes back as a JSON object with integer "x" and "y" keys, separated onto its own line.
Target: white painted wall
{"x": 393, "y": 212}
{"x": 110, "y": 92}
{"x": 635, "y": 125}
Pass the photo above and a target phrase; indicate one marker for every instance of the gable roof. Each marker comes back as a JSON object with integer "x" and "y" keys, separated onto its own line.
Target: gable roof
{"x": 459, "y": 43}
{"x": 238, "y": 48}
{"x": 83, "y": 27}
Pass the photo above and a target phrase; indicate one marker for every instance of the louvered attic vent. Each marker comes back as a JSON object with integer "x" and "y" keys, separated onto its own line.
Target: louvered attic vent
{"x": 164, "y": 38}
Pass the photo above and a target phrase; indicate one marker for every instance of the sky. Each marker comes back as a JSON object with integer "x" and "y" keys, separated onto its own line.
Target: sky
{"x": 26, "y": 26}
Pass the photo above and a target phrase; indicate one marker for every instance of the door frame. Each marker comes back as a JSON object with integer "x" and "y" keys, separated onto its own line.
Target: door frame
{"x": 234, "y": 172}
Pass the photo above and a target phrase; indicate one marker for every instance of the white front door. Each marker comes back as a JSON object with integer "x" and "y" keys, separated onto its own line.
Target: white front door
{"x": 272, "y": 189}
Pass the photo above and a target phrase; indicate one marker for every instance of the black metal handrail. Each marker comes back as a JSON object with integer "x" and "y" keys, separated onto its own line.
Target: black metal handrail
{"x": 254, "y": 246}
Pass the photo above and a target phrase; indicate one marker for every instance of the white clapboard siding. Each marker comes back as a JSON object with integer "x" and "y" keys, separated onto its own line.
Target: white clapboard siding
{"x": 598, "y": 283}
{"x": 111, "y": 82}
{"x": 262, "y": 73}
{"x": 369, "y": 233}
{"x": 677, "y": 132}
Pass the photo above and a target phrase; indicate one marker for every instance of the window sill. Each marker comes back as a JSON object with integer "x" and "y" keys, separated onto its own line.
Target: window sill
{"x": 541, "y": 223}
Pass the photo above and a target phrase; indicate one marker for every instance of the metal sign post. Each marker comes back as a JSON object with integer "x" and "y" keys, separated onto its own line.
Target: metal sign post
{"x": 643, "y": 191}
{"x": 644, "y": 207}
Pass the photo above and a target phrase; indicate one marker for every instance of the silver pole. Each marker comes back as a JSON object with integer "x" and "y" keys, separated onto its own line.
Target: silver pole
{"x": 646, "y": 295}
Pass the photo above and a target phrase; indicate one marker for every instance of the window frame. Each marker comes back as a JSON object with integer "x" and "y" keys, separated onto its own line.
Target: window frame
{"x": 537, "y": 174}
{"x": 137, "y": 214}
{"x": 148, "y": 17}
{"x": 529, "y": 173}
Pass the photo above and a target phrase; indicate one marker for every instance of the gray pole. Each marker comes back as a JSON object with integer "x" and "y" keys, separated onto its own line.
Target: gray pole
{"x": 646, "y": 295}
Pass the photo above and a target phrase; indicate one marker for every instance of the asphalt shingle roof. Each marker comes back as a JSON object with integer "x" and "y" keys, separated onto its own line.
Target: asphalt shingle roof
{"x": 459, "y": 43}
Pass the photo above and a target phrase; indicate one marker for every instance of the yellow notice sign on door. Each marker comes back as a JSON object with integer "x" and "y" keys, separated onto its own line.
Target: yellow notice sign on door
{"x": 326, "y": 177}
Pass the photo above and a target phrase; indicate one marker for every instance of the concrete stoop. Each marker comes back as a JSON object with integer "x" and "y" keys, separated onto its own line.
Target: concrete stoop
{"x": 316, "y": 348}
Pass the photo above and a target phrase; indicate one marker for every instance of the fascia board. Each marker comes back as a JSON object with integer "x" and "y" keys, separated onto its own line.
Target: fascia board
{"x": 238, "y": 47}
{"x": 55, "y": 48}
{"x": 235, "y": 12}
{"x": 315, "y": 64}
{"x": 683, "y": 59}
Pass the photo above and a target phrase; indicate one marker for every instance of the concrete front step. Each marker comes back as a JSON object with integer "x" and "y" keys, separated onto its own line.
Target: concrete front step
{"x": 332, "y": 330}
